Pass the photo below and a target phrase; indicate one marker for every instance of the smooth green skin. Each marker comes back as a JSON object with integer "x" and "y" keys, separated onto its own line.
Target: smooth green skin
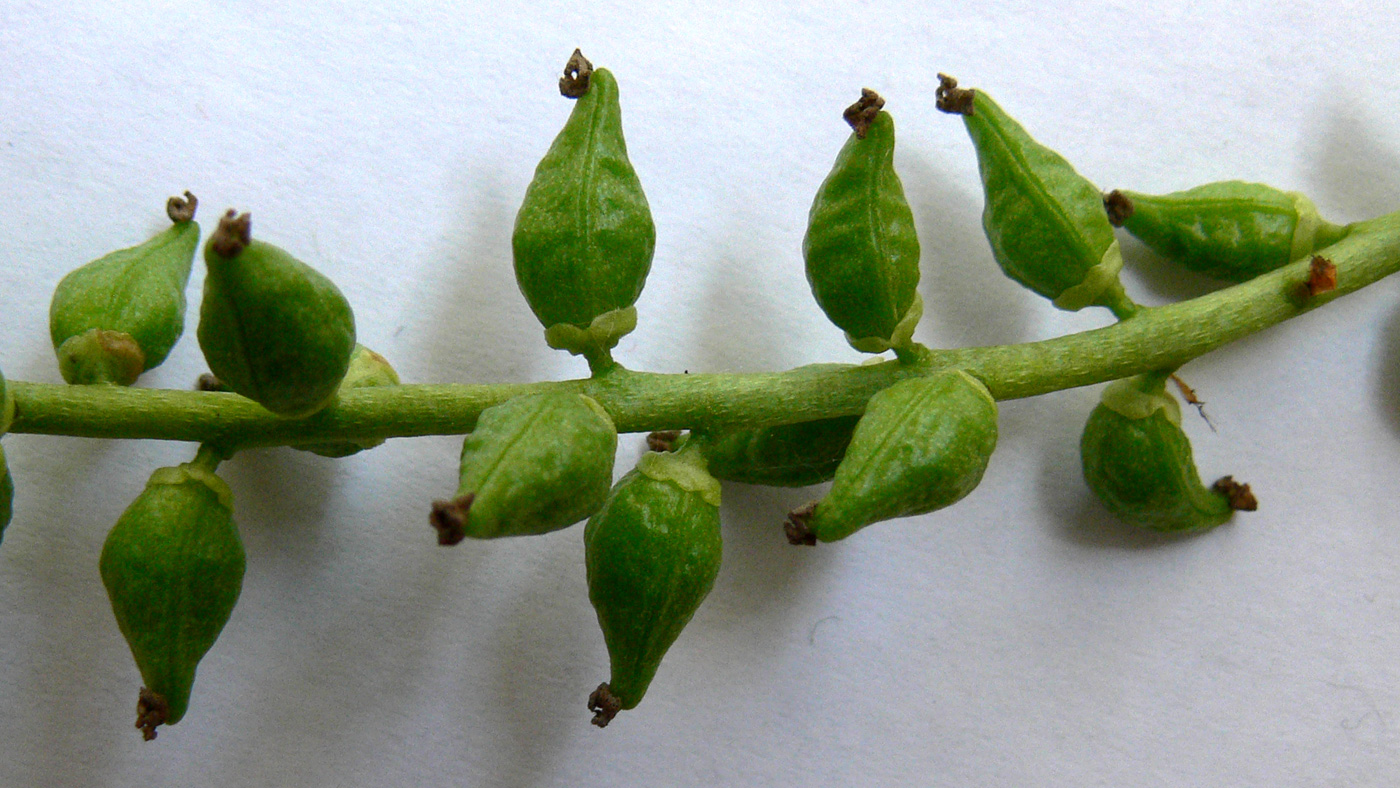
{"x": 367, "y": 369}
{"x": 1045, "y": 221}
{"x": 173, "y": 567}
{"x": 1230, "y": 230}
{"x": 7, "y": 485}
{"x": 275, "y": 330}
{"x": 861, "y": 249}
{"x": 138, "y": 291}
{"x": 1143, "y": 472}
{"x": 7, "y": 494}
{"x": 922, "y": 444}
{"x": 790, "y": 455}
{"x": 537, "y": 464}
{"x": 584, "y": 236}
{"x": 652, "y": 554}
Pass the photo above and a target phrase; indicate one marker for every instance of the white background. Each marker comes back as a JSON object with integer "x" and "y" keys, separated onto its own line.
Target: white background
{"x": 1021, "y": 638}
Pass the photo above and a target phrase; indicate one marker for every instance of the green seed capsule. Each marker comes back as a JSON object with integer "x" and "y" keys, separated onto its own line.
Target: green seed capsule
{"x": 1230, "y": 230}
{"x": 173, "y": 567}
{"x": 1138, "y": 461}
{"x": 922, "y": 444}
{"x": 271, "y": 327}
{"x": 7, "y": 485}
{"x": 533, "y": 464}
{"x": 791, "y": 455}
{"x": 584, "y": 236}
{"x": 861, "y": 249}
{"x": 121, "y": 314}
{"x": 653, "y": 553}
{"x": 1045, "y": 222}
{"x": 7, "y": 494}
{"x": 367, "y": 370}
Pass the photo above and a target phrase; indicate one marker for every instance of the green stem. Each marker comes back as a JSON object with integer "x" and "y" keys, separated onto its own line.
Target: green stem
{"x": 1154, "y": 339}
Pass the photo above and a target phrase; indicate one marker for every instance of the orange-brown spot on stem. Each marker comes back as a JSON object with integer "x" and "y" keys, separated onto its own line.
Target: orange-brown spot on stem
{"x": 1322, "y": 276}
{"x": 663, "y": 440}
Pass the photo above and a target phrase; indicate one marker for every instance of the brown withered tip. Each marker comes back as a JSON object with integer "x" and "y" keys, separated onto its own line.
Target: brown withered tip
{"x": 234, "y": 234}
{"x": 151, "y": 710}
{"x": 575, "y": 81}
{"x": 1322, "y": 276}
{"x": 1240, "y": 497}
{"x": 181, "y": 209}
{"x": 796, "y": 529}
{"x": 604, "y": 705}
{"x": 952, "y": 99}
{"x": 663, "y": 440}
{"x": 207, "y": 382}
{"x": 450, "y": 518}
{"x": 1118, "y": 207}
{"x": 862, "y": 113}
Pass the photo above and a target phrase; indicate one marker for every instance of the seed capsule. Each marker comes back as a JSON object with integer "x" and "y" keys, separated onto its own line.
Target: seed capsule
{"x": 271, "y": 327}
{"x": 173, "y": 567}
{"x": 1230, "y": 230}
{"x": 922, "y": 444}
{"x": 1138, "y": 461}
{"x": 791, "y": 455}
{"x": 533, "y": 464}
{"x": 652, "y": 554}
{"x": 120, "y": 315}
{"x": 861, "y": 249}
{"x": 7, "y": 485}
{"x": 1045, "y": 221}
{"x": 584, "y": 236}
{"x": 367, "y": 369}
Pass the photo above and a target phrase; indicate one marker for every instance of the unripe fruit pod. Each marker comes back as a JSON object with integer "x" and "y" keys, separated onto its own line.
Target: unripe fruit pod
{"x": 173, "y": 567}
{"x": 7, "y": 485}
{"x": 1230, "y": 230}
{"x": 652, "y": 553}
{"x": 584, "y": 236}
{"x": 534, "y": 464}
{"x": 120, "y": 315}
{"x": 790, "y": 455}
{"x": 1044, "y": 220}
{"x": 922, "y": 444}
{"x": 861, "y": 248}
{"x": 367, "y": 369}
{"x": 271, "y": 327}
{"x": 1138, "y": 462}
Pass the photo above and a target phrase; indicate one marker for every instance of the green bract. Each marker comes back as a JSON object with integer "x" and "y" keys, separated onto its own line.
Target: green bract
{"x": 271, "y": 327}
{"x": 121, "y": 314}
{"x": 791, "y": 455}
{"x": 1045, "y": 222}
{"x": 584, "y": 237}
{"x": 1138, "y": 462}
{"x": 367, "y": 368}
{"x": 173, "y": 567}
{"x": 533, "y": 464}
{"x": 861, "y": 249}
{"x": 922, "y": 444}
{"x": 653, "y": 552}
{"x": 1230, "y": 230}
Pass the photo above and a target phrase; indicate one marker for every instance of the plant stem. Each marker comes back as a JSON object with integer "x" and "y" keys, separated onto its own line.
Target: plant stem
{"x": 1154, "y": 339}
